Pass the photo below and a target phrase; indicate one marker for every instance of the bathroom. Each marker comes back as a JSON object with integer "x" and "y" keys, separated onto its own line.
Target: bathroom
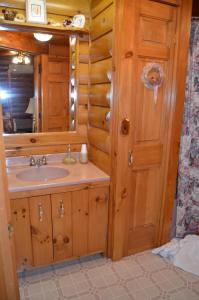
{"x": 92, "y": 103}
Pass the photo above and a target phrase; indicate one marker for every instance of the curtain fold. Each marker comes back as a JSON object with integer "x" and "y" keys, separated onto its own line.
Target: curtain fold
{"x": 187, "y": 199}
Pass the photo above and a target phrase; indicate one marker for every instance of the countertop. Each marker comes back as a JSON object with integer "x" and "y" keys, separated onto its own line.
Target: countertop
{"x": 78, "y": 173}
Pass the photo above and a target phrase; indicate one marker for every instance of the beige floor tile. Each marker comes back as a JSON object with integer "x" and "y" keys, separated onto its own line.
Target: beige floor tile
{"x": 143, "y": 276}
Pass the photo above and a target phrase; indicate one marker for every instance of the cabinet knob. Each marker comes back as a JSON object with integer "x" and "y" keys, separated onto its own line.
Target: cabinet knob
{"x": 66, "y": 240}
{"x": 41, "y": 212}
{"x": 61, "y": 209}
{"x": 54, "y": 241}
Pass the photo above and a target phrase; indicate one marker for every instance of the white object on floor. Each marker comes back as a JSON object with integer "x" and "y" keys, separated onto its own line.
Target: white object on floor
{"x": 183, "y": 253}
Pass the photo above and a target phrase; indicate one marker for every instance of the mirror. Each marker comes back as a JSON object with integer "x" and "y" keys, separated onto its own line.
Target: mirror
{"x": 38, "y": 83}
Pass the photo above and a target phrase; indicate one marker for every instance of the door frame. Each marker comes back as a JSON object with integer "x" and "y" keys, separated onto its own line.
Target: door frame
{"x": 119, "y": 144}
{"x": 8, "y": 279}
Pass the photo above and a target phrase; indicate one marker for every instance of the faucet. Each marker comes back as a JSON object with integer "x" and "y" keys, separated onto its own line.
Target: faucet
{"x": 39, "y": 162}
{"x": 32, "y": 161}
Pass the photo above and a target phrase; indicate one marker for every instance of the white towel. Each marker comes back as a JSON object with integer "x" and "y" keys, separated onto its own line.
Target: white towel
{"x": 183, "y": 253}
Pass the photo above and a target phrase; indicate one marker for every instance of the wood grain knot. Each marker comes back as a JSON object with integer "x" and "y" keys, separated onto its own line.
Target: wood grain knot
{"x": 128, "y": 54}
{"x": 97, "y": 199}
{"x": 66, "y": 240}
{"x": 33, "y": 140}
{"x": 124, "y": 193}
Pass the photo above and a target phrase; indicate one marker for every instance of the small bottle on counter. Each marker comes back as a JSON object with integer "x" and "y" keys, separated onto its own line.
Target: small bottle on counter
{"x": 68, "y": 159}
{"x": 83, "y": 159}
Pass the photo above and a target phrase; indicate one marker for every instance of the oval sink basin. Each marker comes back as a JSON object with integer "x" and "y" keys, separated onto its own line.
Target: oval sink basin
{"x": 42, "y": 174}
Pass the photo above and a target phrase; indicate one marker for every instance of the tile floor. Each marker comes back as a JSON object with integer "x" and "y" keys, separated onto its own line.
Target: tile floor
{"x": 143, "y": 276}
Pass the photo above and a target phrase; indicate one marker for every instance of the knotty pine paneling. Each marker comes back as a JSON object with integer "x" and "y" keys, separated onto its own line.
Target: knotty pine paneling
{"x": 100, "y": 72}
{"x": 102, "y": 23}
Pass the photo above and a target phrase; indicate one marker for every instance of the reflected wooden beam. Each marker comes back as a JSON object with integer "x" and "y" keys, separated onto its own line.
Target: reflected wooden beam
{"x": 22, "y": 41}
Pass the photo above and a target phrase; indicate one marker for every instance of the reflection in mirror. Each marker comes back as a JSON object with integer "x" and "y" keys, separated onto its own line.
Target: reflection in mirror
{"x": 38, "y": 84}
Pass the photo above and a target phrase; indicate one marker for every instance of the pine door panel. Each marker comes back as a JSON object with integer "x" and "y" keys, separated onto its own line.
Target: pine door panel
{"x": 144, "y": 209}
{"x": 98, "y": 219}
{"x": 55, "y": 94}
{"x": 149, "y": 115}
{"x": 148, "y": 139}
{"x": 62, "y": 225}
{"x": 80, "y": 222}
{"x": 41, "y": 229}
{"x": 22, "y": 234}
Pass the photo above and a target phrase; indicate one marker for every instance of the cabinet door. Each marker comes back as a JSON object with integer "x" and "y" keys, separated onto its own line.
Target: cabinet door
{"x": 22, "y": 235}
{"x": 98, "y": 219}
{"x": 41, "y": 229}
{"x": 80, "y": 222}
{"x": 62, "y": 226}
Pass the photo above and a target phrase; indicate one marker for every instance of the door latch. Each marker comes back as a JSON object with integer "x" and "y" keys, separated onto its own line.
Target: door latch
{"x": 125, "y": 126}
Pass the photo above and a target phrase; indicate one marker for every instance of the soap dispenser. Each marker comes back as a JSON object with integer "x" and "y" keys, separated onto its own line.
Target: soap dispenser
{"x": 83, "y": 154}
{"x": 68, "y": 159}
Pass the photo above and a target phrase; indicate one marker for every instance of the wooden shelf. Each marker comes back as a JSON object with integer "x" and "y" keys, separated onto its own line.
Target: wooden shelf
{"x": 32, "y": 27}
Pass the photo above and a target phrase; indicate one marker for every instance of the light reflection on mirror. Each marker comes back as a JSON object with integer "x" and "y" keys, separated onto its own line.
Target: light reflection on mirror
{"x": 38, "y": 91}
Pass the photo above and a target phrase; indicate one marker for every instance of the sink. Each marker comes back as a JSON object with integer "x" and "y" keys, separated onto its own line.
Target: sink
{"x": 42, "y": 173}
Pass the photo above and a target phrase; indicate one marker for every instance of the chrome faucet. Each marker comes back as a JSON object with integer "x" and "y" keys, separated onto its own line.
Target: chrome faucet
{"x": 44, "y": 160}
{"x": 32, "y": 161}
{"x": 39, "y": 162}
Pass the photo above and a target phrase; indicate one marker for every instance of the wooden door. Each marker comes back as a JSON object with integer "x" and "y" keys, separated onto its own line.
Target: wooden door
{"x": 98, "y": 219}
{"x": 62, "y": 225}
{"x": 22, "y": 234}
{"x": 8, "y": 279}
{"x": 80, "y": 222}
{"x": 140, "y": 157}
{"x": 55, "y": 94}
{"x": 41, "y": 229}
{"x": 155, "y": 42}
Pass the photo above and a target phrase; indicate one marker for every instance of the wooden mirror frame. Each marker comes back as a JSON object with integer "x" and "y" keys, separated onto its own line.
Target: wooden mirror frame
{"x": 46, "y": 142}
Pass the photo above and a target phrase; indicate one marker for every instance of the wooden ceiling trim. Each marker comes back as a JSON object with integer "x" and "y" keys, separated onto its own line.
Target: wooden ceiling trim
{"x": 22, "y": 42}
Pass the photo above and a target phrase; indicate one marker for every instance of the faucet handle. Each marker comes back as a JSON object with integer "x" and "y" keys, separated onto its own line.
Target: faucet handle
{"x": 32, "y": 161}
{"x": 44, "y": 160}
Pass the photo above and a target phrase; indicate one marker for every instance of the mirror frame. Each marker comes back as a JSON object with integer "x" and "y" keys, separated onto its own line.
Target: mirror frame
{"x": 45, "y": 142}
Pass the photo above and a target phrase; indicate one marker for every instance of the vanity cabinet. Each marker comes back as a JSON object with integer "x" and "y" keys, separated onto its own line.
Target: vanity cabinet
{"x": 61, "y": 225}
{"x": 41, "y": 229}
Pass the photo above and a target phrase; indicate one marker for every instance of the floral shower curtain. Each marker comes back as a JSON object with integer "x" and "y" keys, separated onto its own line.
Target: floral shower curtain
{"x": 187, "y": 220}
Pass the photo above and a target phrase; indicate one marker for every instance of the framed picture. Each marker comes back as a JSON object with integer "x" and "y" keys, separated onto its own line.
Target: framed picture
{"x": 36, "y": 11}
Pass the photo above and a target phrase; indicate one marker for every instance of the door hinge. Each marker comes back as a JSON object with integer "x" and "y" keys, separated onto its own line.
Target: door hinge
{"x": 40, "y": 68}
{"x": 130, "y": 158}
{"x": 10, "y": 230}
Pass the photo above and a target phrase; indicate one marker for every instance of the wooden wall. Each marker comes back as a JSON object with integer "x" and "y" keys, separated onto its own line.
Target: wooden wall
{"x": 100, "y": 71}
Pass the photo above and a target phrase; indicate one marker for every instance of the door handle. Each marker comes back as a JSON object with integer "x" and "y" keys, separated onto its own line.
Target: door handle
{"x": 130, "y": 158}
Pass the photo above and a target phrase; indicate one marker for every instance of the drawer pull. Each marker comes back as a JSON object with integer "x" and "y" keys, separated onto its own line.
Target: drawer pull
{"x": 41, "y": 212}
{"x": 61, "y": 209}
